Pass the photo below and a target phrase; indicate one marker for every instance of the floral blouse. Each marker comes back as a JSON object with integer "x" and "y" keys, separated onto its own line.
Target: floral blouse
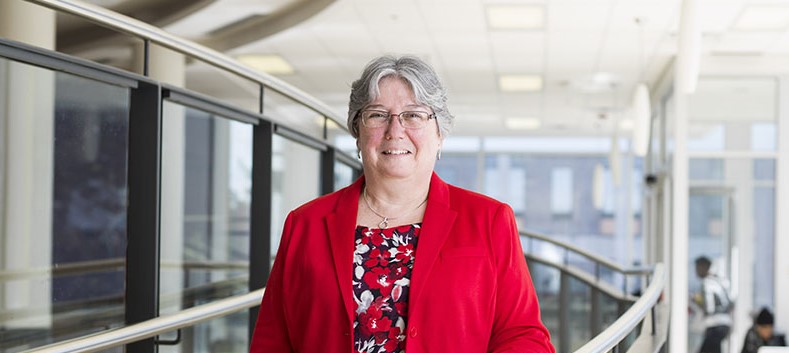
{"x": 382, "y": 264}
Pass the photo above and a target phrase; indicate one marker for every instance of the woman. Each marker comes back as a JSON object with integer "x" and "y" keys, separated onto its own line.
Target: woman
{"x": 399, "y": 260}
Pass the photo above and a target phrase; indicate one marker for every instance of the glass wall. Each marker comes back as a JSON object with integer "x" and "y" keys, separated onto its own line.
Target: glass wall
{"x": 63, "y": 232}
{"x": 296, "y": 180}
{"x": 206, "y": 195}
{"x": 573, "y": 195}
{"x": 732, "y": 144}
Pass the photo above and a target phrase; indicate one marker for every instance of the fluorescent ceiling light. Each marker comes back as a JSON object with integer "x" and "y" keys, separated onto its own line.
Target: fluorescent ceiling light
{"x": 269, "y": 63}
{"x": 523, "y": 123}
{"x": 515, "y": 17}
{"x": 763, "y": 18}
{"x": 520, "y": 83}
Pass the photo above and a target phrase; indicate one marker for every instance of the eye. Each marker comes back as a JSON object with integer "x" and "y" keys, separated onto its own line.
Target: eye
{"x": 376, "y": 115}
{"x": 412, "y": 115}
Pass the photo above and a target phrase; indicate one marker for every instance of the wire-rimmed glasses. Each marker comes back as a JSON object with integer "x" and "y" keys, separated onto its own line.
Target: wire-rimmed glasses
{"x": 409, "y": 120}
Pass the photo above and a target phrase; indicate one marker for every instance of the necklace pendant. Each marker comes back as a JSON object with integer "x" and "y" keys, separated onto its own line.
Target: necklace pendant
{"x": 383, "y": 223}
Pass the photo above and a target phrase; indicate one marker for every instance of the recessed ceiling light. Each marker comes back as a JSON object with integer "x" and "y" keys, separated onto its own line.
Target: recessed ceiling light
{"x": 268, "y": 63}
{"x": 515, "y": 16}
{"x": 626, "y": 125}
{"x": 522, "y": 123}
{"x": 520, "y": 83}
{"x": 763, "y": 18}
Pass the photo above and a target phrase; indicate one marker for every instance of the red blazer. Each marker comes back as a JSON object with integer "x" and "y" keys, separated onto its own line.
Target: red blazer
{"x": 470, "y": 288}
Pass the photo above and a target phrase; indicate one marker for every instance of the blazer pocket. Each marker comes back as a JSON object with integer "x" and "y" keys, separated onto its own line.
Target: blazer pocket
{"x": 466, "y": 251}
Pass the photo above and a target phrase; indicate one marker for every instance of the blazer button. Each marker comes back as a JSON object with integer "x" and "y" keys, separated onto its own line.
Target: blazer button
{"x": 413, "y": 332}
{"x": 346, "y": 333}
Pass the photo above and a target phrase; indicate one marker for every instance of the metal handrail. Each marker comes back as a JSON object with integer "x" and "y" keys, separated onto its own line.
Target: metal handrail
{"x": 154, "y": 327}
{"x": 582, "y": 252}
{"x": 626, "y": 323}
{"x": 142, "y": 30}
{"x": 104, "y": 265}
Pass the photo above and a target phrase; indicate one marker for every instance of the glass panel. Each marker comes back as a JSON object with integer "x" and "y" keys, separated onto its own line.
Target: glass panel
{"x": 293, "y": 115}
{"x": 206, "y": 193}
{"x": 764, "y": 243}
{"x": 733, "y": 114}
{"x": 764, "y": 169}
{"x": 705, "y": 169}
{"x": 228, "y": 334}
{"x": 763, "y": 137}
{"x": 580, "y": 303}
{"x": 296, "y": 180}
{"x": 343, "y": 175}
{"x": 336, "y": 132}
{"x": 64, "y": 236}
{"x": 459, "y": 170}
{"x": 547, "y": 284}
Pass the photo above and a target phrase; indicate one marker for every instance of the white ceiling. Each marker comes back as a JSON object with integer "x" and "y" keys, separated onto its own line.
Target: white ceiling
{"x": 590, "y": 53}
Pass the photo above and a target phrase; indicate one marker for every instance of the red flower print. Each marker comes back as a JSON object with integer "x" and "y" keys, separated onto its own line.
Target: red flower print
{"x": 405, "y": 252}
{"x": 378, "y": 278}
{"x": 377, "y": 257}
{"x": 383, "y": 261}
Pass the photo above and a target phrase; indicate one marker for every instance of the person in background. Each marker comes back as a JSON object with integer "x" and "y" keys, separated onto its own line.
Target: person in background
{"x": 761, "y": 333}
{"x": 716, "y": 305}
{"x": 400, "y": 260}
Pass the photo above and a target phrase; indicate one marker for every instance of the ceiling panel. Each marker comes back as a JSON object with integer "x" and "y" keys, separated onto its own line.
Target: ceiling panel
{"x": 581, "y": 40}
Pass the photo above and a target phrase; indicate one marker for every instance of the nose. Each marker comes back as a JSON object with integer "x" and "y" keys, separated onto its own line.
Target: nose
{"x": 395, "y": 126}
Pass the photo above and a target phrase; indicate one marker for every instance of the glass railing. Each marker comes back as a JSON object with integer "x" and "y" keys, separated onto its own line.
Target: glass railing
{"x": 590, "y": 304}
{"x": 645, "y": 320}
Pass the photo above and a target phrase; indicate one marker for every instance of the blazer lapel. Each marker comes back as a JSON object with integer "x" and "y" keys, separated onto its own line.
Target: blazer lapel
{"x": 436, "y": 226}
{"x": 340, "y": 228}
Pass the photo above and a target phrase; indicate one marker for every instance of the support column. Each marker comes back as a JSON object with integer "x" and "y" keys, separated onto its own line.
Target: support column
{"x": 26, "y": 163}
{"x": 678, "y": 275}
{"x": 781, "y": 210}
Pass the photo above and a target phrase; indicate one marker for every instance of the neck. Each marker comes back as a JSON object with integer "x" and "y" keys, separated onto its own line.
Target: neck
{"x": 394, "y": 193}
{"x": 392, "y": 203}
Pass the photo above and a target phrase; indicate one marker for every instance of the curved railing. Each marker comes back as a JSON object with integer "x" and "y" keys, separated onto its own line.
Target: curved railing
{"x": 151, "y": 34}
{"x": 634, "y": 309}
{"x": 627, "y": 323}
{"x": 155, "y": 327}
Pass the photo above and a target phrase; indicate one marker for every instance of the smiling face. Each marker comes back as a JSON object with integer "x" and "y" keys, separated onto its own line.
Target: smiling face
{"x": 392, "y": 151}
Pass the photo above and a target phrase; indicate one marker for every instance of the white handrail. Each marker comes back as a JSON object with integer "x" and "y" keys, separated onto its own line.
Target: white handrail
{"x": 626, "y": 323}
{"x": 154, "y": 327}
{"x": 137, "y": 28}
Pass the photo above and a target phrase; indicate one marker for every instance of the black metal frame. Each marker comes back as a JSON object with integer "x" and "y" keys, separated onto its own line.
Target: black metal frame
{"x": 144, "y": 174}
{"x": 143, "y": 236}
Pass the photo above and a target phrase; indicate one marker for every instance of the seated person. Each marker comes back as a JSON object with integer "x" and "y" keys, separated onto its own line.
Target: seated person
{"x": 761, "y": 333}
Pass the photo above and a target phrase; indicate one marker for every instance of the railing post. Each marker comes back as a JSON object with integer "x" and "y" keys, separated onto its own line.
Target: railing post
{"x": 564, "y": 313}
{"x": 142, "y": 250}
{"x": 327, "y": 170}
{"x": 596, "y": 315}
{"x": 260, "y": 212}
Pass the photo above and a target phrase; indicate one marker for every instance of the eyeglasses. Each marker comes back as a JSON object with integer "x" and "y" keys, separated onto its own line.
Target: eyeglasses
{"x": 409, "y": 120}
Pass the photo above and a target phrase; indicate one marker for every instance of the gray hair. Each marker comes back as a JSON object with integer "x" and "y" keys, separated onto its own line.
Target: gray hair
{"x": 423, "y": 80}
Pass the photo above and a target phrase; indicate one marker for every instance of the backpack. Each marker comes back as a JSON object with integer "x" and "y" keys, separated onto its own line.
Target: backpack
{"x": 723, "y": 302}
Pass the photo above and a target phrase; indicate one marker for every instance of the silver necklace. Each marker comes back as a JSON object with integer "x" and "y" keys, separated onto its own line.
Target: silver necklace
{"x": 385, "y": 222}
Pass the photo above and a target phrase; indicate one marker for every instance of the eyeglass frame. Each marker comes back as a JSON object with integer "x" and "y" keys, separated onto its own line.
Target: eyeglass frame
{"x": 400, "y": 118}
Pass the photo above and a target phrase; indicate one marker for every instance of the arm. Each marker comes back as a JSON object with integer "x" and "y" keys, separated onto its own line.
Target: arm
{"x": 271, "y": 333}
{"x": 708, "y": 292}
{"x": 517, "y": 326}
{"x": 751, "y": 344}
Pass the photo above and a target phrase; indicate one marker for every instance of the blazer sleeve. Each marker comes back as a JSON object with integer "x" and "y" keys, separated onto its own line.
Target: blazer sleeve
{"x": 271, "y": 333}
{"x": 517, "y": 325}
